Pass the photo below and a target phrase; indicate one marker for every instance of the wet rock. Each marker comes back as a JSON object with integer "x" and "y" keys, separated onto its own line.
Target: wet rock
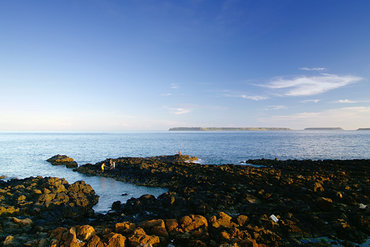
{"x": 117, "y": 206}
{"x": 58, "y": 160}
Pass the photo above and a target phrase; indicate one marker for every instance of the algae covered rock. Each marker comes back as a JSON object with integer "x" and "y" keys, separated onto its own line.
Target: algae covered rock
{"x": 62, "y": 160}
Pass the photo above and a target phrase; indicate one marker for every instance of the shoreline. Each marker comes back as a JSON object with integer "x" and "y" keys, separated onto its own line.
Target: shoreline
{"x": 281, "y": 203}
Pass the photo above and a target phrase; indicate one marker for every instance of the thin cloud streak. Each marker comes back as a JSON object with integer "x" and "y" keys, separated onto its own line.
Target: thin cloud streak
{"x": 346, "y": 117}
{"x": 305, "y": 86}
{"x": 347, "y": 101}
{"x": 255, "y": 97}
{"x": 166, "y": 94}
{"x": 276, "y": 107}
{"x": 310, "y": 101}
{"x": 179, "y": 110}
{"x": 312, "y": 69}
{"x": 245, "y": 96}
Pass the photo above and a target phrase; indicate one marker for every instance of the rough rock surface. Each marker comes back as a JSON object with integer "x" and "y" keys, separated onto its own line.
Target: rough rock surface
{"x": 62, "y": 160}
{"x": 31, "y": 206}
{"x": 308, "y": 199}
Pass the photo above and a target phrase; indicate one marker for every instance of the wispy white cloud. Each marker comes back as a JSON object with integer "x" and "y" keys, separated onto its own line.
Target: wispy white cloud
{"x": 312, "y": 69}
{"x": 173, "y": 86}
{"x": 253, "y": 97}
{"x": 348, "y": 101}
{"x": 245, "y": 96}
{"x": 305, "y": 85}
{"x": 166, "y": 94}
{"x": 179, "y": 110}
{"x": 310, "y": 101}
{"x": 276, "y": 107}
{"x": 346, "y": 117}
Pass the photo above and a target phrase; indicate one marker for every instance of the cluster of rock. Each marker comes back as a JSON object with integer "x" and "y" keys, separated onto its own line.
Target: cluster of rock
{"x": 31, "y": 206}
{"x": 62, "y": 160}
{"x": 190, "y": 230}
{"x": 289, "y": 199}
{"x": 279, "y": 203}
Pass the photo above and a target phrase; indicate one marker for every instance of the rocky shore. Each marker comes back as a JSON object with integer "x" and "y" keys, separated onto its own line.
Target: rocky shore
{"x": 280, "y": 203}
{"x": 30, "y": 208}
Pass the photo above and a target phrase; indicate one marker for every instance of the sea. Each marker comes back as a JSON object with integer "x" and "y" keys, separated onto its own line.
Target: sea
{"x": 24, "y": 154}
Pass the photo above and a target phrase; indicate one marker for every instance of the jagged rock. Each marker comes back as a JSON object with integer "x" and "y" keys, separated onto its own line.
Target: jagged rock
{"x": 278, "y": 188}
{"x": 125, "y": 227}
{"x": 117, "y": 206}
{"x": 222, "y": 220}
{"x": 140, "y": 238}
{"x": 115, "y": 240}
{"x": 24, "y": 222}
{"x": 9, "y": 241}
{"x": 318, "y": 187}
{"x": 85, "y": 232}
{"x": 242, "y": 219}
{"x": 39, "y": 204}
{"x": 171, "y": 224}
{"x": 95, "y": 241}
{"x": 189, "y": 223}
{"x": 155, "y": 227}
{"x": 248, "y": 243}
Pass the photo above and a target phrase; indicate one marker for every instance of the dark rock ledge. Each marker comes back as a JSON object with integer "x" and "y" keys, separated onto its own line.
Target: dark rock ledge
{"x": 310, "y": 199}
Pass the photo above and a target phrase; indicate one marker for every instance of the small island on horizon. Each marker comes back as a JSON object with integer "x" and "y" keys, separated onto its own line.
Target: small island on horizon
{"x": 227, "y": 129}
{"x": 324, "y": 128}
{"x": 363, "y": 129}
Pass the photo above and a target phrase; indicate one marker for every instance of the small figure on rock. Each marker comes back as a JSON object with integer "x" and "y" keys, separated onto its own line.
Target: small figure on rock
{"x": 112, "y": 164}
{"x": 102, "y": 167}
{"x": 179, "y": 152}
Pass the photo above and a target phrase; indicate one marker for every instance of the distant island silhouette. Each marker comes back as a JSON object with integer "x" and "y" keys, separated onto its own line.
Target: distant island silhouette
{"x": 363, "y": 129}
{"x": 226, "y": 129}
{"x": 325, "y": 128}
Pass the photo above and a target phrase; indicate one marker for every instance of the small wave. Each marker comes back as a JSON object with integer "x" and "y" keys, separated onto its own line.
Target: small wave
{"x": 249, "y": 164}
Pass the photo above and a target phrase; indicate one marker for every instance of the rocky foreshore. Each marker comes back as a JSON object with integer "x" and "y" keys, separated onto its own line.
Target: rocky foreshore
{"x": 30, "y": 208}
{"x": 281, "y": 203}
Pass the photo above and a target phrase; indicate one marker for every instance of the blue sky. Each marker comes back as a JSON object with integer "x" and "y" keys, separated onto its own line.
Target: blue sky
{"x": 150, "y": 65}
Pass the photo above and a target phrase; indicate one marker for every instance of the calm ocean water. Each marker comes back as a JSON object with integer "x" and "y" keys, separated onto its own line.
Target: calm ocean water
{"x": 24, "y": 154}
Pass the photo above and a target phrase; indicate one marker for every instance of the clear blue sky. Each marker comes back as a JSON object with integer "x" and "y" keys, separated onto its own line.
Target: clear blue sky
{"x": 104, "y": 65}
